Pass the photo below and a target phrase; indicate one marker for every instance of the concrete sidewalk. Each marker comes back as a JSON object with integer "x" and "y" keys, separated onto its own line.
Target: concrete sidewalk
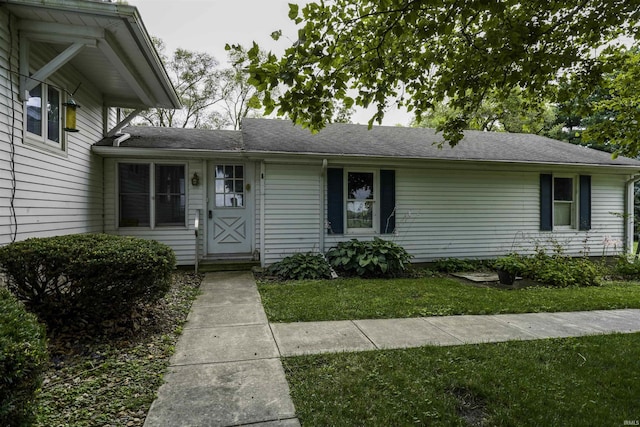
{"x": 226, "y": 370}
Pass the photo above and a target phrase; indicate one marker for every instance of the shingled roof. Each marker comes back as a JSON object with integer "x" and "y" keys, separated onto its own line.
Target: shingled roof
{"x": 281, "y": 136}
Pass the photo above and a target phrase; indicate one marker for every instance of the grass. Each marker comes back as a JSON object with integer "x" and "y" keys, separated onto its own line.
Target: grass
{"x": 570, "y": 382}
{"x": 111, "y": 379}
{"x": 345, "y": 299}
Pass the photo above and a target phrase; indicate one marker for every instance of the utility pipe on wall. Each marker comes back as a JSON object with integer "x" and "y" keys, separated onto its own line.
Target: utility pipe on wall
{"x": 323, "y": 173}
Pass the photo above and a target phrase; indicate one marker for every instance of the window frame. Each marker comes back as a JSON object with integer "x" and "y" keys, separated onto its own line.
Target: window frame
{"x": 574, "y": 202}
{"x": 376, "y": 202}
{"x": 152, "y": 191}
{"x": 42, "y": 141}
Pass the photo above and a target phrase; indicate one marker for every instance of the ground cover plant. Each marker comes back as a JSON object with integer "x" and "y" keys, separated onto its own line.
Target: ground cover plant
{"x": 108, "y": 375}
{"x": 570, "y": 382}
{"x": 353, "y": 298}
{"x": 369, "y": 258}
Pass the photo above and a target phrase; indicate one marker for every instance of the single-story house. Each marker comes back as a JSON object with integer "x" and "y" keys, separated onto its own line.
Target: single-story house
{"x": 272, "y": 189}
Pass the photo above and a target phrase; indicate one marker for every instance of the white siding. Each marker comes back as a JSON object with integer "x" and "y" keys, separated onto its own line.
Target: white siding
{"x": 292, "y": 210}
{"x": 444, "y": 213}
{"x": 181, "y": 239}
{"x": 56, "y": 192}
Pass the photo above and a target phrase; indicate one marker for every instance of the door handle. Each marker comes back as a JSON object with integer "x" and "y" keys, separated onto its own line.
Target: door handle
{"x": 210, "y": 214}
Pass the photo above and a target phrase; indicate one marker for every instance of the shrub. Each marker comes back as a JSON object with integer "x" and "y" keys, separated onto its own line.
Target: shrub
{"x": 23, "y": 355}
{"x": 91, "y": 276}
{"x": 561, "y": 270}
{"x": 454, "y": 265}
{"x": 376, "y": 258}
{"x": 627, "y": 268}
{"x": 301, "y": 266}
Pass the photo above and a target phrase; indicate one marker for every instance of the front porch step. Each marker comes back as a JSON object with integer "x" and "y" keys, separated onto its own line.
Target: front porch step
{"x": 207, "y": 266}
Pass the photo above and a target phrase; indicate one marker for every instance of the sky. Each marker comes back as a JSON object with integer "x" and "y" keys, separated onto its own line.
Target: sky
{"x": 207, "y": 25}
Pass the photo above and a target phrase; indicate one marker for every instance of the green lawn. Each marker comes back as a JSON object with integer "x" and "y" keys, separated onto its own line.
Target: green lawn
{"x": 569, "y": 382}
{"x": 345, "y": 299}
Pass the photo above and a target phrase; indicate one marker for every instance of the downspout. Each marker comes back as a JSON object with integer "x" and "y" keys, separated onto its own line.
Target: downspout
{"x": 262, "y": 233}
{"x": 629, "y": 212}
{"x": 323, "y": 173}
{"x": 119, "y": 140}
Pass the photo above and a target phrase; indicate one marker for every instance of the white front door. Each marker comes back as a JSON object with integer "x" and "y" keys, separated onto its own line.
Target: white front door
{"x": 230, "y": 213}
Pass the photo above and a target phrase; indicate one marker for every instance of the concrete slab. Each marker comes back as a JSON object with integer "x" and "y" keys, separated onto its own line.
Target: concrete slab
{"x": 478, "y": 329}
{"x": 403, "y": 333}
{"x": 543, "y": 325}
{"x": 603, "y": 321}
{"x": 229, "y": 280}
{"x": 225, "y": 315}
{"x": 226, "y": 394}
{"x": 223, "y": 295}
{"x": 295, "y": 339}
{"x": 224, "y": 344}
{"x": 478, "y": 277}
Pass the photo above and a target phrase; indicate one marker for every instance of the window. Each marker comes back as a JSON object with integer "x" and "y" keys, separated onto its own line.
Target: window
{"x": 43, "y": 115}
{"x": 360, "y": 201}
{"x": 170, "y": 195}
{"x": 563, "y": 202}
{"x": 138, "y": 181}
{"x": 229, "y": 186}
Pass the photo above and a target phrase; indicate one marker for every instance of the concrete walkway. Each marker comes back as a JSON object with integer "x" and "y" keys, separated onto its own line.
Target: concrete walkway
{"x": 226, "y": 370}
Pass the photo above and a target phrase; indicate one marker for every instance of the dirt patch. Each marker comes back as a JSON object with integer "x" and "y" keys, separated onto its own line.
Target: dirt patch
{"x": 470, "y": 407}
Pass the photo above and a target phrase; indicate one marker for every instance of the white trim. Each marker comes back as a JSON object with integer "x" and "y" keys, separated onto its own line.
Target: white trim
{"x": 152, "y": 191}
{"x": 375, "y": 201}
{"x": 575, "y": 211}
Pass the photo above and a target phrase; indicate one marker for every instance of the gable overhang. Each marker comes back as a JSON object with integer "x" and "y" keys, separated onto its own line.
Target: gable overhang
{"x": 106, "y": 43}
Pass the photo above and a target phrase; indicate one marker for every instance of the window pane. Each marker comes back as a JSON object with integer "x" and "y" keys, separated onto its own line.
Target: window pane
{"x": 34, "y": 111}
{"x": 359, "y": 214}
{"x": 360, "y": 186}
{"x": 563, "y": 189}
{"x": 228, "y": 171}
{"x": 239, "y": 172}
{"x": 133, "y": 181}
{"x": 53, "y": 115}
{"x": 562, "y": 213}
{"x": 170, "y": 195}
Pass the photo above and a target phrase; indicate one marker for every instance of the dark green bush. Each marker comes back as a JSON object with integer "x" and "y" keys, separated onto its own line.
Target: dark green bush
{"x": 23, "y": 357}
{"x": 561, "y": 270}
{"x": 455, "y": 265}
{"x": 627, "y": 268}
{"x": 300, "y": 267}
{"x": 91, "y": 276}
{"x": 376, "y": 258}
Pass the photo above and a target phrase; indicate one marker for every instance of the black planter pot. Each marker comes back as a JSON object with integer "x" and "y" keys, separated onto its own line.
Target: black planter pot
{"x": 506, "y": 278}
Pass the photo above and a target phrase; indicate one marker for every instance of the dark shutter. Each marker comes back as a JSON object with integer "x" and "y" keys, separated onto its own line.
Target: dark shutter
{"x": 387, "y": 201}
{"x": 585, "y": 202}
{"x": 546, "y": 202}
{"x": 335, "y": 200}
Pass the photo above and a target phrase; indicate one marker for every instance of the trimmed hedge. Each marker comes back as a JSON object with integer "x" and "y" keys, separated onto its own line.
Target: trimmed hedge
{"x": 90, "y": 276}
{"x": 23, "y": 357}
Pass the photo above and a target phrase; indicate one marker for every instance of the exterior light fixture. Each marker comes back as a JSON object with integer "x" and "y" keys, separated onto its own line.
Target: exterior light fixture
{"x": 70, "y": 116}
{"x": 195, "y": 179}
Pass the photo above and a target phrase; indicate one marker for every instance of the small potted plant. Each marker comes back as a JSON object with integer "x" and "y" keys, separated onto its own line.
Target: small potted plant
{"x": 508, "y": 267}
